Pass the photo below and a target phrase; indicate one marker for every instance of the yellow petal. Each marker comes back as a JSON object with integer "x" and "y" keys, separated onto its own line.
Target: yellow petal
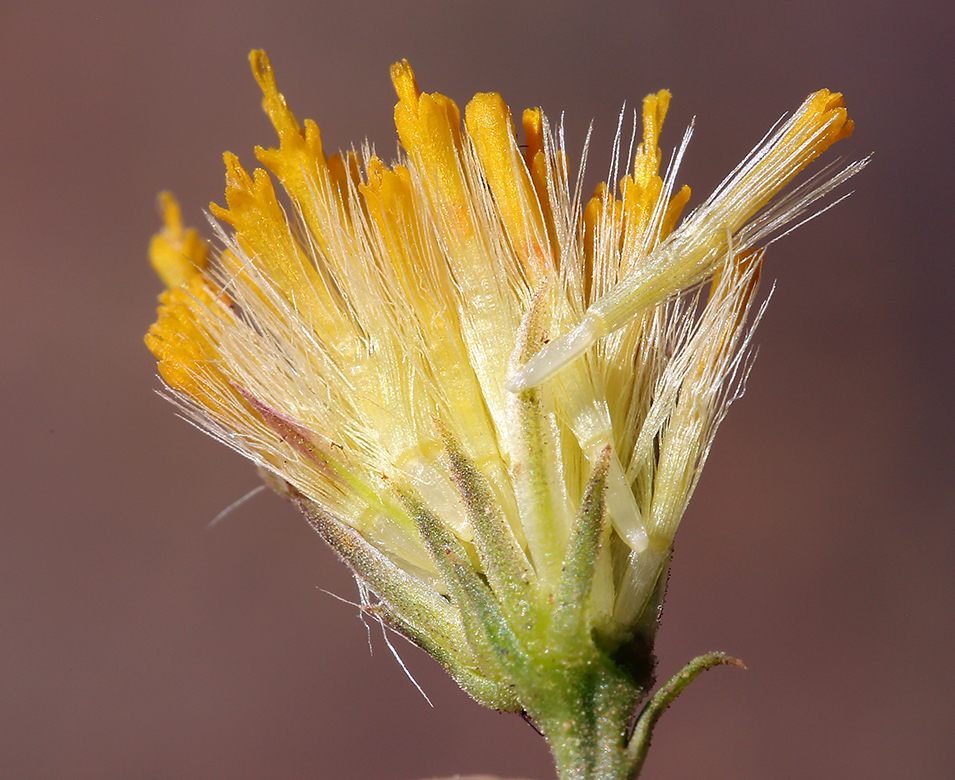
{"x": 176, "y": 255}
{"x": 489, "y": 124}
{"x": 429, "y": 127}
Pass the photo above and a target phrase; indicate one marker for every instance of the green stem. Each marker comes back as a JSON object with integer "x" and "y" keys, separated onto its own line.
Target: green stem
{"x": 585, "y": 714}
{"x": 586, "y": 711}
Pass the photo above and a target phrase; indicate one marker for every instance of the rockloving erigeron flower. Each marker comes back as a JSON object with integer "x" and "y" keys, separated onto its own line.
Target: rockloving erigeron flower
{"x": 491, "y": 396}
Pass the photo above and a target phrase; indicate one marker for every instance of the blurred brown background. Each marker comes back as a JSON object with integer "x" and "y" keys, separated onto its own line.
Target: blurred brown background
{"x": 137, "y": 642}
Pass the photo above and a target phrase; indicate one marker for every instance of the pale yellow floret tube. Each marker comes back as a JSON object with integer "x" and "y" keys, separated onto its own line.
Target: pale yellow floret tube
{"x": 692, "y": 253}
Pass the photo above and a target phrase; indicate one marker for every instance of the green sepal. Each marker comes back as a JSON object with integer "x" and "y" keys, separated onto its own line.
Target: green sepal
{"x": 496, "y": 648}
{"x": 508, "y": 571}
{"x": 410, "y": 608}
{"x": 571, "y": 620}
{"x": 412, "y": 603}
{"x": 483, "y": 690}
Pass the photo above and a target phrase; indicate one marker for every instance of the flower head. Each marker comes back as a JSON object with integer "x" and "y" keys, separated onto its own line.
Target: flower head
{"x": 491, "y": 396}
